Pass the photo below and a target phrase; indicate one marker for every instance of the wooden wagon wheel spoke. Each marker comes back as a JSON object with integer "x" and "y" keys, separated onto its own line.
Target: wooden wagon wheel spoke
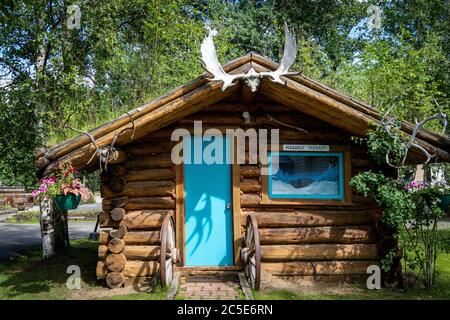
{"x": 251, "y": 253}
{"x": 166, "y": 258}
{"x": 249, "y": 236}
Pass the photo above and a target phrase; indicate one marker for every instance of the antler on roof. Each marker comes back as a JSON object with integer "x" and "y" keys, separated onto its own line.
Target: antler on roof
{"x": 212, "y": 64}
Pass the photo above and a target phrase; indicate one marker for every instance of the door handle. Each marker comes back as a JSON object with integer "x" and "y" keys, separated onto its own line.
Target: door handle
{"x": 228, "y": 206}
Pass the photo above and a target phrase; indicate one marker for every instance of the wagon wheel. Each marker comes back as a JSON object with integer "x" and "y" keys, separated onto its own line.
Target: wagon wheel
{"x": 168, "y": 255}
{"x": 251, "y": 253}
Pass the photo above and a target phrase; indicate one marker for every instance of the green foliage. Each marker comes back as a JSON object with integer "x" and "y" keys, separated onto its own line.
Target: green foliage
{"x": 387, "y": 260}
{"x": 411, "y": 209}
{"x": 128, "y": 52}
{"x": 380, "y": 144}
{"x": 389, "y": 195}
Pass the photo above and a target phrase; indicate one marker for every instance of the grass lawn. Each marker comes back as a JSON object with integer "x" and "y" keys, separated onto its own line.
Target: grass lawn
{"x": 32, "y": 217}
{"x": 30, "y": 277}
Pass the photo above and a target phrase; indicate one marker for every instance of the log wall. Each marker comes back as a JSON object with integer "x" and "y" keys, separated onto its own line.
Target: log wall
{"x": 137, "y": 194}
{"x": 297, "y": 240}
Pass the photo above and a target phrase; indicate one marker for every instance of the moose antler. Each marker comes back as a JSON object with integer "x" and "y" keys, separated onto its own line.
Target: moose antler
{"x": 390, "y": 124}
{"x": 212, "y": 65}
{"x": 411, "y": 143}
{"x": 288, "y": 59}
{"x": 102, "y": 152}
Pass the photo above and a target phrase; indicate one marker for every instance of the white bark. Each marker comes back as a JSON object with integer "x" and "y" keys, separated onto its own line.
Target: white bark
{"x": 47, "y": 231}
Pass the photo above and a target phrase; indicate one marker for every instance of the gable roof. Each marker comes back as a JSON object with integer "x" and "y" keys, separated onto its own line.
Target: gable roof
{"x": 300, "y": 93}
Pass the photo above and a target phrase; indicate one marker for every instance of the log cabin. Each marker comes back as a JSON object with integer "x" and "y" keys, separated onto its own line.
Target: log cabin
{"x": 302, "y": 223}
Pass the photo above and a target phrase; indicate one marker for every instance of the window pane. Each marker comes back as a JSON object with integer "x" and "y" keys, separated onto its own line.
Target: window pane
{"x": 308, "y": 176}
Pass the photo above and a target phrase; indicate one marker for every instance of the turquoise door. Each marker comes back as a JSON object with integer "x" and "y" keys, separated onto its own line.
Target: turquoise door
{"x": 208, "y": 211}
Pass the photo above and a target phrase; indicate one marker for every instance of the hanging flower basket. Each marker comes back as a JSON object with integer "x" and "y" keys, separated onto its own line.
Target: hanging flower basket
{"x": 67, "y": 202}
{"x": 65, "y": 188}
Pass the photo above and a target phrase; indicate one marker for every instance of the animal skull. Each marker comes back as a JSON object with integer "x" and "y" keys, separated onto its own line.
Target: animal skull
{"x": 252, "y": 80}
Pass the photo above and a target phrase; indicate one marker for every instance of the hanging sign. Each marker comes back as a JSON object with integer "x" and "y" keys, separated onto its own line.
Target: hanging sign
{"x": 305, "y": 147}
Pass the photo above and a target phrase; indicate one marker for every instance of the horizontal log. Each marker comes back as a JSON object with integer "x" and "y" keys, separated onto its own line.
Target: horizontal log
{"x": 233, "y": 107}
{"x": 140, "y": 268}
{"x": 134, "y": 237}
{"x": 141, "y": 189}
{"x": 147, "y": 162}
{"x": 249, "y": 171}
{"x": 341, "y": 234}
{"x": 143, "y": 203}
{"x": 150, "y": 203}
{"x": 118, "y": 202}
{"x": 116, "y": 184}
{"x": 118, "y": 171}
{"x": 142, "y": 237}
{"x": 257, "y": 119}
{"x": 149, "y": 147}
{"x": 250, "y": 200}
{"x": 250, "y": 186}
{"x": 132, "y": 268}
{"x": 274, "y": 219}
{"x": 319, "y": 252}
{"x": 141, "y": 252}
{"x": 324, "y": 135}
{"x": 150, "y": 175}
{"x": 302, "y": 268}
{"x": 144, "y": 219}
{"x": 131, "y": 252}
{"x": 331, "y": 279}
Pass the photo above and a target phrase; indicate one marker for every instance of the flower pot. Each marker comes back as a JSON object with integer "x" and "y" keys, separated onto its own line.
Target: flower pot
{"x": 445, "y": 202}
{"x": 67, "y": 202}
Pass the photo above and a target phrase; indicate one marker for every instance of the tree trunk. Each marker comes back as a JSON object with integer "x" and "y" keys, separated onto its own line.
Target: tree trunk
{"x": 54, "y": 228}
{"x": 48, "y": 239}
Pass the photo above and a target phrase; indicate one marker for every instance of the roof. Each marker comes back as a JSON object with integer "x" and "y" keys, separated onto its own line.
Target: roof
{"x": 300, "y": 93}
